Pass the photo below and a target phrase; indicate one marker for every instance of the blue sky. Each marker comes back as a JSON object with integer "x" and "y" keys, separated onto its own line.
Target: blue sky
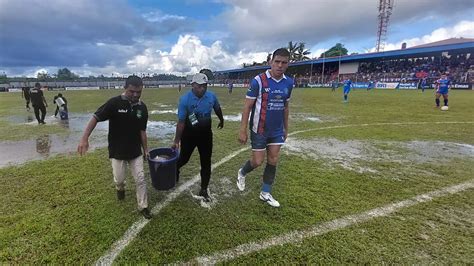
{"x": 120, "y": 37}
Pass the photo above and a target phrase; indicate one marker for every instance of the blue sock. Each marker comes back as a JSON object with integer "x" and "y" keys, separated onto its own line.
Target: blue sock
{"x": 266, "y": 188}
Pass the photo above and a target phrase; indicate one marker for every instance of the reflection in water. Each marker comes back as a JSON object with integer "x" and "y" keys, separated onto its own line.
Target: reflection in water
{"x": 43, "y": 145}
{"x": 29, "y": 118}
{"x": 18, "y": 152}
{"x": 64, "y": 123}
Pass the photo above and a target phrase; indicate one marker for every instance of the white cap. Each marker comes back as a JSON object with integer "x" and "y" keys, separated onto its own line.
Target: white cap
{"x": 199, "y": 78}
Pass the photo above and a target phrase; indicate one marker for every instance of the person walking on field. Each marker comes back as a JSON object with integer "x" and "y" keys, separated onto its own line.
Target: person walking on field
{"x": 39, "y": 103}
{"x": 194, "y": 128}
{"x": 128, "y": 117}
{"x": 267, "y": 104}
{"x": 25, "y": 93}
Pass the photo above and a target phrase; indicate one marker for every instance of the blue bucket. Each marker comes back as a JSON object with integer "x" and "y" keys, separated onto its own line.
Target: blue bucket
{"x": 63, "y": 115}
{"x": 163, "y": 172}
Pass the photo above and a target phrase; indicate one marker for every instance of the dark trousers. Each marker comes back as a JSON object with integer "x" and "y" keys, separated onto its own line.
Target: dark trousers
{"x": 57, "y": 110}
{"x": 203, "y": 141}
{"x": 37, "y": 109}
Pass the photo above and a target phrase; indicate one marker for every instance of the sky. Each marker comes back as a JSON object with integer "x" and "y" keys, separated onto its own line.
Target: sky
{"x": 120, "y": 37}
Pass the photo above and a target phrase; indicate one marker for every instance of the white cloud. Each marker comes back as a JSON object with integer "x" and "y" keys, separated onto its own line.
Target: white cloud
{"x": 189, "y": 55}
{"x": 462, "y": 29}
{"x": 260, "y": 23}
{"x": 38, "y": 71}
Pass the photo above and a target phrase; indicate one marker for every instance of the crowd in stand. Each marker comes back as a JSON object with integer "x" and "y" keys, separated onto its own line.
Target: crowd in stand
{"x": 459, "y": 68}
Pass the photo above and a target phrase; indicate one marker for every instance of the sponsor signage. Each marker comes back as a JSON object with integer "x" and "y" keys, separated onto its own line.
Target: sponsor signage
{"x": 462, "y": 86}
{"x": 360, "y": 85}
{"x": 407, "y": 86}
{"x": 386, "y": 85}
{"x": 319, "y": 85}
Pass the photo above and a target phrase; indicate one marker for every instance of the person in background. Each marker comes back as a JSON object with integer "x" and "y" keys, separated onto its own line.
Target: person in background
{"x": 25, "y": 93}
{"x": 334, "y": 85}
{"x": 128, "y": 117}
{"x": 443, "y": 85}
{"x": 347, "y": 89}
{"x": 59, "y": 103}
{"x": 371, "y": 85}
{"x": 39, "y": 103}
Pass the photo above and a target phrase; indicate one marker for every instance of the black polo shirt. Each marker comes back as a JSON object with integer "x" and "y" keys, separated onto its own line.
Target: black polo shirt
{"x": 36, "y": 96}
{"x": 125, "y": 123}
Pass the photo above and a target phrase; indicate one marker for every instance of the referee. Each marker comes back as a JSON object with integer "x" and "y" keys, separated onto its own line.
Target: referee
{"x": 194, "y": 128}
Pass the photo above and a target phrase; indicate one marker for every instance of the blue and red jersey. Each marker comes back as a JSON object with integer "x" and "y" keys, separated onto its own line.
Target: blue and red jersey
{"x": 443, "y": 85}
{"x": 270, "y": 96}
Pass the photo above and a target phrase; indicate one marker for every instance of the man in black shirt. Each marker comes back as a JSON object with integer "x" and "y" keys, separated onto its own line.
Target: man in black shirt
{"x": 128, "y": 117}
{"x": 39, "y": 103}
{"x": 25, "y": 93}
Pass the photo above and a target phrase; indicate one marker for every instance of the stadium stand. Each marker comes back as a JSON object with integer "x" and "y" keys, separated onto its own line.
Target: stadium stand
{"x": 454, "y": 56}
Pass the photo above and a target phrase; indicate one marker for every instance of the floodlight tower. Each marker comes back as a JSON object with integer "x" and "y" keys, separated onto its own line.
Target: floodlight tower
{"x": 385, "y": 10}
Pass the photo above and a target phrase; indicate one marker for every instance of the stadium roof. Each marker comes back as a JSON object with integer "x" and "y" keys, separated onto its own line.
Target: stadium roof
{"x": 462, "y": 45}
{"x": 445, "y": 42}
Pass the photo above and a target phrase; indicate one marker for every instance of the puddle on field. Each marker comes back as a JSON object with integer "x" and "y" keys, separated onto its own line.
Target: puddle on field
{"x": 359, "y": 156}
{"x": 42, "y": 147}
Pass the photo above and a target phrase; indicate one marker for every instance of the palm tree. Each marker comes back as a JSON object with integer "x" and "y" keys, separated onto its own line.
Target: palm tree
{"x": 292, "y": 48}
{"x": 298, "y": 51}
{"x": 301, "y": 52}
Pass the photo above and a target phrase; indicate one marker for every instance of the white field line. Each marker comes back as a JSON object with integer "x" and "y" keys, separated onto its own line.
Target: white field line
{"x": 320, "y": 229}
{"x": 136, "y": 227}
{"x": 109, "y": 257}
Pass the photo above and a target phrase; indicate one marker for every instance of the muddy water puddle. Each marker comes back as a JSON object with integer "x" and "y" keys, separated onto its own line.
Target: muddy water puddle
{"x": 45, "y": 146}
{"x": 362, "y": 156}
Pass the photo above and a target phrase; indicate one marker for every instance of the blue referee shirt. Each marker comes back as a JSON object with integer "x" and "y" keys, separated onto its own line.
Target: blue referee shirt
{"x": 201, "y": 107}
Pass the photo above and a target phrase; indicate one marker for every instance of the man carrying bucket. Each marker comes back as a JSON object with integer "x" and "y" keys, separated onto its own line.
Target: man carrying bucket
{"x": 194, "y": 128}
{"x": 128, "y": 117}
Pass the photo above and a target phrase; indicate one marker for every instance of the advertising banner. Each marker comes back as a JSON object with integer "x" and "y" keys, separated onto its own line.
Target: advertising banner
{"x": 360, "y": 85}
{"x": 386, "y": 85}
{"x": 462, "y": 86}
{"x": 407, "y": 86}
{"x": 319, "y": 85}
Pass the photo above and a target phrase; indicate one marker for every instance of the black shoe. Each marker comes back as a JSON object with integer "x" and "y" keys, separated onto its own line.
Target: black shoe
{"x": 203, "y": 193}
{"x": 120, "y": 194}
{"x": 146, "y": 213}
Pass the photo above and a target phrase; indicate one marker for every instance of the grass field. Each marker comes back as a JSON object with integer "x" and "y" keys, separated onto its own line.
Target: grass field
{"x": 341, "y": 161}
